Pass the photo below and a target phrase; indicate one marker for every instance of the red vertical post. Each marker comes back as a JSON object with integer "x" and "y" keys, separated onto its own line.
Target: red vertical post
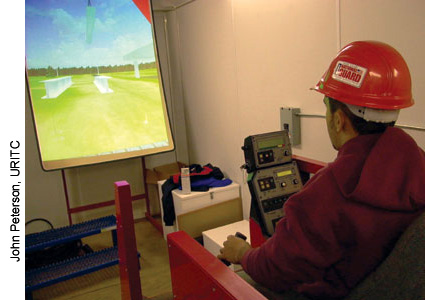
{"x": 131, "y": 288}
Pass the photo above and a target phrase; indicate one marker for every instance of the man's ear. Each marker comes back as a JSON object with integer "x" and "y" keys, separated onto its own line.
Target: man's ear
{"x": 339, "y": 120}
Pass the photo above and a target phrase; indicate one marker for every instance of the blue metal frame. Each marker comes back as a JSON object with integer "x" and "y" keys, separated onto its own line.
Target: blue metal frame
{"x": 48, "y": 238}
{"x": 78, "y": 266}
{"x": 74, "y": 267}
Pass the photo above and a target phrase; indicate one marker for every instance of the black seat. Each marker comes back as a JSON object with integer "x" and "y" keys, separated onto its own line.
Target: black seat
{"x": 401, "y": 276}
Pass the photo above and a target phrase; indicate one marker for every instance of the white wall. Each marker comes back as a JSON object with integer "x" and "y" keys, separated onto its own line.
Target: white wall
{"x": 402, "y": 25}
{"x": 243, "y": 60}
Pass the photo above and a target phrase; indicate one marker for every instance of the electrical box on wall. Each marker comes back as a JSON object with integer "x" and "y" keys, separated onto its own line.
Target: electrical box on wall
{"x": 290, "y": 121}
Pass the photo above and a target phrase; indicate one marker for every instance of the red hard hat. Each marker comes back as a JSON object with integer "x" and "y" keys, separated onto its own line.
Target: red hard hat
{"x": 368, "y": 74}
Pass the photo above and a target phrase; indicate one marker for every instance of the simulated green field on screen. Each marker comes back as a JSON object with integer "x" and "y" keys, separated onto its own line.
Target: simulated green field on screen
{"x": 84, "y": 122}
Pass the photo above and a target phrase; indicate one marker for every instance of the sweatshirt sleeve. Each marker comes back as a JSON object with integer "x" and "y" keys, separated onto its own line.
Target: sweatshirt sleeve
{"x": 305, "y": 241}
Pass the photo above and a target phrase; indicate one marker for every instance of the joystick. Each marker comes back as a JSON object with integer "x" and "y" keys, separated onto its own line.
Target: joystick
{"x": 238, "y": 235}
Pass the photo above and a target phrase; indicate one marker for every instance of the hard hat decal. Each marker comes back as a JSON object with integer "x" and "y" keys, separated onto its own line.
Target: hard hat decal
{"x": 350, "y": 74}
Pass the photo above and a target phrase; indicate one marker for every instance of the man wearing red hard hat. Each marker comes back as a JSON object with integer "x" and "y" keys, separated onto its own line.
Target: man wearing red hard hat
{"x": 347, "y": 218}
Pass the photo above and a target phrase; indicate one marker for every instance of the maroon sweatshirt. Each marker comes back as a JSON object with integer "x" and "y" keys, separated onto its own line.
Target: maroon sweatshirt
{"x": 346, "y": 219}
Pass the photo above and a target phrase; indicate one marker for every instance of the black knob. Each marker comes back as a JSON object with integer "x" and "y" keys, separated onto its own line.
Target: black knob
{"x": 240, "y": 235}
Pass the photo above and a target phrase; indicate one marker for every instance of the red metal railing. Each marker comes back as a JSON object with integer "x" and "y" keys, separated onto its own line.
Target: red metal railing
{"x": 197, "y": 274}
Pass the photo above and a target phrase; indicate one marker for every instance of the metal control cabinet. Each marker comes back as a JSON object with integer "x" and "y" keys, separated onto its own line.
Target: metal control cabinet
{"x": 272, "y": 187}
{"x": 266, "y": 150}
{"x": 273, "y": 176}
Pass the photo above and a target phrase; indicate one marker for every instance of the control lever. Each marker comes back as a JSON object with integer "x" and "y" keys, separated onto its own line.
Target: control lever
{"x": 238, "y": 235}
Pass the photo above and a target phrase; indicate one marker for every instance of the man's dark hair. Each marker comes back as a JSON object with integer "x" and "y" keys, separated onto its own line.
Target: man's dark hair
{"x": 360, "y": 125}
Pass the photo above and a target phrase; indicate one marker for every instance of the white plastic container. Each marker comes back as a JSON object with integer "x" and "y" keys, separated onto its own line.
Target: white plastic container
{"x": 214, "y": 238}
{"x": 184, "y": 203}
{"x": 185, "y": 177}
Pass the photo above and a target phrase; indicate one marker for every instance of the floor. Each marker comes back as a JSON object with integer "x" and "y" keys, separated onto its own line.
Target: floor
{"x": 105, "y": 284}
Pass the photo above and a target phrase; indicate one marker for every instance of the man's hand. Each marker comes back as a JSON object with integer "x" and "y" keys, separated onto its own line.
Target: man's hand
{"x": 234, "y": 249}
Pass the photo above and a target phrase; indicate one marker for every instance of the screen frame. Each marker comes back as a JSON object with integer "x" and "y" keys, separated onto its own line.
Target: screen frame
{"x": 60, "y": 164}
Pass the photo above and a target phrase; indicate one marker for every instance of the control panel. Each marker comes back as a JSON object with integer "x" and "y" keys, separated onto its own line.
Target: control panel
{"x": 272, "y": 187}
{"x": 273, "y": 176}
{"x": 265, "y": 150}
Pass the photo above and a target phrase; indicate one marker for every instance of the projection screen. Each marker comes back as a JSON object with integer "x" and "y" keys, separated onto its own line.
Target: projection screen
{"x": 94, "y": 81}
